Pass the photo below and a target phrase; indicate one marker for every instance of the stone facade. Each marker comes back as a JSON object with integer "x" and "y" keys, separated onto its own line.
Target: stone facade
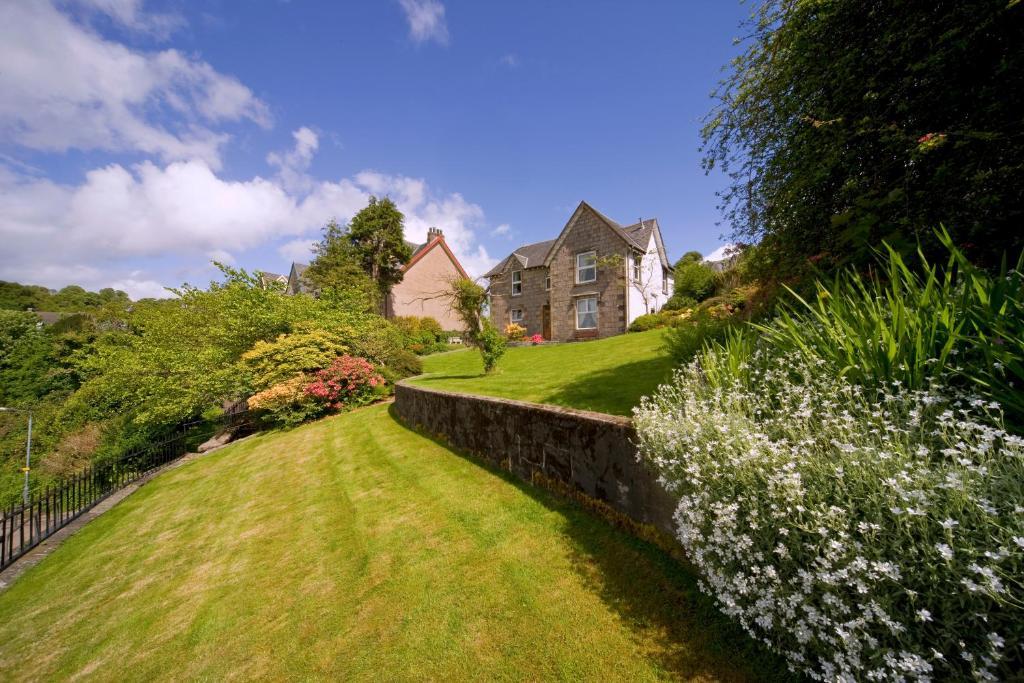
{"x": 531, "y": 302}
{"x": 592, "y": 453}
{"x": 554, "y": 263}
{"x": 589, "y": 233}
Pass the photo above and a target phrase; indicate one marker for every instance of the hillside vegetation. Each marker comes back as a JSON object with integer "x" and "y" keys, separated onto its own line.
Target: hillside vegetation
{"x": 353, "y": 548}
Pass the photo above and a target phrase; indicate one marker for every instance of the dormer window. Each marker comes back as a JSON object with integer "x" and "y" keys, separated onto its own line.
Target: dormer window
{"x": 586, "y": 267}
{"x": 517, "y": 282}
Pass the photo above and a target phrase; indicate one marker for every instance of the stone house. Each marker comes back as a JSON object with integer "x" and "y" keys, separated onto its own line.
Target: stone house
{"x": 592, "y": 281}
{"x": 424, "y": 282}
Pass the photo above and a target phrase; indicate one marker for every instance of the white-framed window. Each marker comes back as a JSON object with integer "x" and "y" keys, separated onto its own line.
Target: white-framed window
{"x": 547, "y": 284}
{"x": 517, "y": 282}
{"x": 516, "y": 316}
{"x": 586, "y": 313}
{"x": 637, "y": 263}
{"x": 586, "y": 267}
{"x": 664, "y": 280}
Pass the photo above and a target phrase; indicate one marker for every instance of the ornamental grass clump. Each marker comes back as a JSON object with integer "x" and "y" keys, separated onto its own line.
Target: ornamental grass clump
{"x": 915, "y": 323}
{"x": 864, "y": 532}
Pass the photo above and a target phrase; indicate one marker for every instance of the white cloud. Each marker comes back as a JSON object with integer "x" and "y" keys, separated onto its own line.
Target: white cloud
{"x": 723, "y": 252}
{"x": 293, "y": 164}
{"x": 56, "y": 234}
{"x": 457, "y": 218}
{"x": 502, "y": 230}
{"x": 426, "y": 20}
{"x": 510, "y": 60}
{"x": 297, "y": 250}
{"x": 141, "y": 289}
{"x": 65, "y": 87}
{"x": 222, "y": 256}
{"x": 129, "y": 14}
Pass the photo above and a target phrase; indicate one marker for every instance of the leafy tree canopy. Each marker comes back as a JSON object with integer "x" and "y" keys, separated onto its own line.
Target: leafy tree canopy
{"x": 849, "y": 122}
{"x": 377, "y": 237}
{"x": 70, "y": 299}
{"x": 337, "y": 265}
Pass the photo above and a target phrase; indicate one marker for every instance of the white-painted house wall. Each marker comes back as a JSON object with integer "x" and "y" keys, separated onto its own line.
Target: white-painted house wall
{"x": 650, "y": 281}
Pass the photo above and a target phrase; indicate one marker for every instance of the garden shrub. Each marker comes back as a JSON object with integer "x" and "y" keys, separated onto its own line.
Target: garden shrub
{"x": 404, "y": 364}
{"x": 380, "y": 342}
{"x": 690, "y": 331}
{"x": 422, "y": 335}
{"x": 272, "y": 362}
{"x": 492, "y": 345}
{"x": 347, "y": 383}
{"x": 515, "y": 332}
{"x": 679, "y": 302}
{"x": 286, "y": 402}
{"x": 865, "y": 534}
{"x": 695, "y": 279}
{"x": 648, "y": 321}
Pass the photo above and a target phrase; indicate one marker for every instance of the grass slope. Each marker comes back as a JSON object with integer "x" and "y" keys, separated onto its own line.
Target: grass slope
{"x": 354, "y": 548}
{"x": 607, "y": 375}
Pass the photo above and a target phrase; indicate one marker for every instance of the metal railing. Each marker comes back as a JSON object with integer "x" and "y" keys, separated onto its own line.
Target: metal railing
{"x": 24, "y": 526}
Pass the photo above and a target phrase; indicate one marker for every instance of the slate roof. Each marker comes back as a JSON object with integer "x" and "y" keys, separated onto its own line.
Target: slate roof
{"x": 637, "y": 235}
{"x": 266, "y": 277}
{"x": 529, "y": 255}
{"x": 415, "y": 247}
{"x": 300, "y": 284}
{"x": 640, "y": 232}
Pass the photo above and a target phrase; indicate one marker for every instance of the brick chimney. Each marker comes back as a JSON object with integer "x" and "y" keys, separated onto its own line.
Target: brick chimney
{"x": 433, "y": 232}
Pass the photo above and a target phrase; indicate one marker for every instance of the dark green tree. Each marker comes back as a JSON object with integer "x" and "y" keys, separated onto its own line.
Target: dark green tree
{"x": 377, "y": 237}
{"x": 17, "y": 297}
{"x": 847, "y": 122}
{"x": 336, "y": 265}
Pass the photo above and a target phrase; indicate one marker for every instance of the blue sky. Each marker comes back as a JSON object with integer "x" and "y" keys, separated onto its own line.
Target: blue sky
{"x": 138, "y": 140}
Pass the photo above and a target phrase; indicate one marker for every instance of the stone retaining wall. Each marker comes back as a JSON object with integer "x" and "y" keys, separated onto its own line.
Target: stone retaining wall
{"x": 592, "y": 452}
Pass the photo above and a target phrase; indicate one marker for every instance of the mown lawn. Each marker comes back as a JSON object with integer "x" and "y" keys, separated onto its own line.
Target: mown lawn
{"x": 354, "y": 548}
{"x": 607, "y": 375}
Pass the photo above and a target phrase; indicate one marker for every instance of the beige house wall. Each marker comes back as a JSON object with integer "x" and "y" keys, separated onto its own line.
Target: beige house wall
{"x": 421, "y": 291}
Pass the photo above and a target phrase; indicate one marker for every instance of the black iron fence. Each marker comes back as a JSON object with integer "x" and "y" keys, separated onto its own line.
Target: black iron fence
{"x": 24, "y": 526}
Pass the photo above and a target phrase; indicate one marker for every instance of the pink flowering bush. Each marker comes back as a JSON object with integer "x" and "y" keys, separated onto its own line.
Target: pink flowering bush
{"x": 537, "y": 339}
{"x": 347, "y": 383}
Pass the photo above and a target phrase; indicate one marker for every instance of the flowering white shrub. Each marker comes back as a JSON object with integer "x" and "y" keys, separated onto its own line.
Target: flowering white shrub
{"x": 864, "y": 534}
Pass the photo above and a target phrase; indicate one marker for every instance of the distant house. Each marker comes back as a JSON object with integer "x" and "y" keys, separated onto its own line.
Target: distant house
{"x": 296, "y": 283}
{"x": 592, "y": 281}
{"x": 267, "y": 278}
{"x": 424, "y": 282}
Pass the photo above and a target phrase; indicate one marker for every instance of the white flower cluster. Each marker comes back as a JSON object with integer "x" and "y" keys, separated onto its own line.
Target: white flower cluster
{"x": 863, "y": 534}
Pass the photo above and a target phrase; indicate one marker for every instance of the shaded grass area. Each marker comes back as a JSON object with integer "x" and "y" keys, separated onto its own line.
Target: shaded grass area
{"x": 607, "y": 375}
{"x": 354, "y": 548}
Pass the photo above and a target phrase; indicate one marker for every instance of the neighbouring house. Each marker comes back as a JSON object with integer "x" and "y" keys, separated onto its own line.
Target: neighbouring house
{"x": 296, "y": 283}
{"x": 422, "y": 291}
{"x": 425, "y": 279}
{"x": 592, "y": 281}
{"x": 267, "y": 279}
